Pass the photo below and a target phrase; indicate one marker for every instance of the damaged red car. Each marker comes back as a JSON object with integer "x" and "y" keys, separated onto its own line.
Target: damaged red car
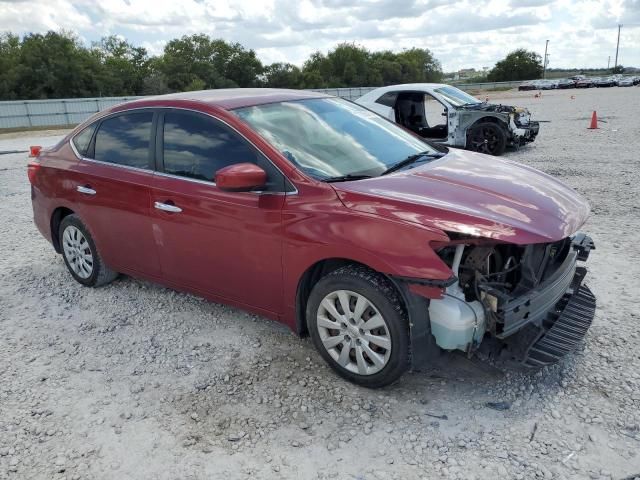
{"x": 318, "y": 213}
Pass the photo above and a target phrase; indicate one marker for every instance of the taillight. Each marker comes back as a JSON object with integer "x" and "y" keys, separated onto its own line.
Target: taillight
{"x": 34, "y": 150}
{"x": 32, "y": 170}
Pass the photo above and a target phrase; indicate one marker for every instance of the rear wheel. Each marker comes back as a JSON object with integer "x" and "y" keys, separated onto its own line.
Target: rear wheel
{"x": 80, "y": 254}
{"x": 487, "y": 137}
{"x": 358, "y": 324}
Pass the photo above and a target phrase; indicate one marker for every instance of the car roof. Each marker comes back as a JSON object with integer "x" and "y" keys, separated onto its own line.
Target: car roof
{"x": 231, "y": 98}
{"x": 404, "y": 87}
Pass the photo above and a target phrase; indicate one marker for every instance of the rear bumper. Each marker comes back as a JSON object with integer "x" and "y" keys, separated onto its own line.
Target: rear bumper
{"x": 542, "y": 327}
{"x": 40, "y": 213}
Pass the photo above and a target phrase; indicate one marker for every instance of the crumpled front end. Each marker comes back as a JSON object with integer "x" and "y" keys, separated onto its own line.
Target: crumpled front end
{"x": 530, "y": 297}
{"x": 523, "y": 129}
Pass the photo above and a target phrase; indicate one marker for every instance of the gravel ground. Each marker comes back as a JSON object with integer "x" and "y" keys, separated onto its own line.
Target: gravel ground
{"x": 137, "y": 381}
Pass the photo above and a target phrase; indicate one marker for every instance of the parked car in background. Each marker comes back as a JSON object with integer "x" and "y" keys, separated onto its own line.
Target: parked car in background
{"x": 585, "y": 83}
{"x": 566, "y": 83}
{"x": 445, "y": 114}
{"x": 605, "y": 82}
{"x": 531, "y": 85}
{"x": 547, "y": 84}
{"x": 316, "y": 212}
{"x": 626, "y": 82}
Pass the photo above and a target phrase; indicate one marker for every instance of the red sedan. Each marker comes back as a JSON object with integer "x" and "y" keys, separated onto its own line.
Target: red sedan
{"x": 318, "y": 213}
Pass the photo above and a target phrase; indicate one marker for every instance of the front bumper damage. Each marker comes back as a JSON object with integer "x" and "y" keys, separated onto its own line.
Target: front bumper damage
{"x": 550, "y": 321}
{"x": 524, "y": 133}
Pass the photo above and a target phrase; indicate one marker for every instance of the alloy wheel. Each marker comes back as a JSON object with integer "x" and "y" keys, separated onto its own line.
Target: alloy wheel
{"x": 353, "y": 332}
{"x": 485, "y": 139}
{"x": 77, "y": 252}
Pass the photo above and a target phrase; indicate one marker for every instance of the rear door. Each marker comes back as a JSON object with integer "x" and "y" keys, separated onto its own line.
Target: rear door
{"x": 111, "y": 184}
{"x": 227, "y": 244}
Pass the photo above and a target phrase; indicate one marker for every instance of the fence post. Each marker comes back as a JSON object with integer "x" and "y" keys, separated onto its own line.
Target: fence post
{"x": 26, "y": 109}
{"x": 66, "y": 112}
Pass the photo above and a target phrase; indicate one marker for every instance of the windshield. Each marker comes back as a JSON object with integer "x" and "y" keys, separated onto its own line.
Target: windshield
{"x": 456, "y": 97}
{"x": 331, "y": 137}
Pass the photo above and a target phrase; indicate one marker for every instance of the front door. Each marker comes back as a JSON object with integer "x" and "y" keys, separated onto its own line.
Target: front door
{"x": 226, "y": 244}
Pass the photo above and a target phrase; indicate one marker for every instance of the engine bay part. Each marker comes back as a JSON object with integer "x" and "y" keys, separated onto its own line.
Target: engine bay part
{"x": 507, "y": 287}
{"x": 457, "y": 324}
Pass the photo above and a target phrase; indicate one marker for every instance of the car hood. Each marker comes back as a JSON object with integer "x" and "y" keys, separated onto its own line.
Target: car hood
{"x": 475, "y": 194}
{"x": 494, "y": 107}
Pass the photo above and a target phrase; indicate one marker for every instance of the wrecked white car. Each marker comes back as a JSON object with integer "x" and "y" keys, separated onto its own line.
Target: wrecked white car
{"x": 445, "y": 114}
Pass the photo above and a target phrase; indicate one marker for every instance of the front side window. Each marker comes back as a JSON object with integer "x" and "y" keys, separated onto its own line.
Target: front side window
{"x": 125, "y": 140}
{"x": 197, "y": 146}
{"x": 328, "y": 137}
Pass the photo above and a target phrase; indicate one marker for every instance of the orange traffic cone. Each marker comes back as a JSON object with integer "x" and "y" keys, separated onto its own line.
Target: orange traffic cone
{"x": 594, "y": 121}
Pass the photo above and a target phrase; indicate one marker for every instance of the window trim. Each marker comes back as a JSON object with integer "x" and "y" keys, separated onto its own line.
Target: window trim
{"x": 155, "y": 137}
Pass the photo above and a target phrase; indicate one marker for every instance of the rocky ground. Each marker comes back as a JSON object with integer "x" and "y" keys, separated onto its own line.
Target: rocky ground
{"x": 136, "y": 381}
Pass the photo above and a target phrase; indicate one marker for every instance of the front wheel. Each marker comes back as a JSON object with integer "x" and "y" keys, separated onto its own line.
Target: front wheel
{"x": 358, "y": 324}
{"x": 487, "y": 137}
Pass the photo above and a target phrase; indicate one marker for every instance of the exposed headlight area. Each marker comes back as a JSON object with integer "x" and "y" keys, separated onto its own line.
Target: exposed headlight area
{"x": 516, "y": 293}
{"x": 522, "y": 119}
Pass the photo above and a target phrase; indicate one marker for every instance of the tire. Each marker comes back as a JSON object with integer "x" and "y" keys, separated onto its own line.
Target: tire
{"x": 367, "y": 362}
{"x": 81, "y": 255}
{"x": 487, "y": 137}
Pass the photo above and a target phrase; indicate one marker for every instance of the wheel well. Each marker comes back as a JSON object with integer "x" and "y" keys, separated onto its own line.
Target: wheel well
{"x": 487, "y": 119}
{"x": 56, "y": 218}
{"x": 311, "y": 276}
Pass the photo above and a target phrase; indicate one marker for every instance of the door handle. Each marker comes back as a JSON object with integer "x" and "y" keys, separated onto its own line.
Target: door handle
{"x": 167, "y": 207}
{"x": 86, "y": 190}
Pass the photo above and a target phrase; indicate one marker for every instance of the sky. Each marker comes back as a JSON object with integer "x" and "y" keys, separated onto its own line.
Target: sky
{"x": 461, "y": 34}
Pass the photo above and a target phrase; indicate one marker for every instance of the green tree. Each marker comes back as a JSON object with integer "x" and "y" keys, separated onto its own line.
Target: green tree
{"x": 419, "y": 65}
{"x": 216, "y": 63}
{"x": 9, "y": 60}
{"x": 56, "y": 65}
{"x": 520, "y": 64}
{"x": 283, "y": 75}
{"x": 125, "y": 66}
{"x": 349, "y": 65}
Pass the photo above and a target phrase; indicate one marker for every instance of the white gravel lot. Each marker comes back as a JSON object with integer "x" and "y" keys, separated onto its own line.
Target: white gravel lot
{"x": 137, "y": 381}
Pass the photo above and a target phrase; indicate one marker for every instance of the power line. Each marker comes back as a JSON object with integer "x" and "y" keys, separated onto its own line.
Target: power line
{"x": 544, "y": 65}
{"x": 615, "y": 65}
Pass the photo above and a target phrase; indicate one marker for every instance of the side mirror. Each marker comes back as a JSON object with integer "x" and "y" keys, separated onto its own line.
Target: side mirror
{"x": 241, "y": 177}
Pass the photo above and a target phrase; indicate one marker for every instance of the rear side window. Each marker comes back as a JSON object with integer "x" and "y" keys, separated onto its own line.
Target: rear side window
{"x": 388, "y": 99}
{"x": 82, "y": 140}
{"x": 197, "y": 146}
{"x": 125, "y": 140}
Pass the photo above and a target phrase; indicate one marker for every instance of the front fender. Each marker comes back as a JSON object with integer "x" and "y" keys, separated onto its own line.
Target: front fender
{"x": 393, "y": 248}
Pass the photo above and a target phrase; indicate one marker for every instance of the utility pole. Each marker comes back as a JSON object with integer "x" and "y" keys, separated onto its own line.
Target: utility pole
{"x": 544, "y": 65}
{"x": 615, "y": 65}
{"x": 608, "y": 62}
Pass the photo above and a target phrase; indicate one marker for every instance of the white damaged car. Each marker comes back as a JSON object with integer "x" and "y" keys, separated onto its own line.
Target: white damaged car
{"x": 445, "y": 114}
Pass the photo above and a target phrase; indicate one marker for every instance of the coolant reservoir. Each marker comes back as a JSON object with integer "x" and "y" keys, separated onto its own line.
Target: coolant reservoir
{"x": 456, "y": 323}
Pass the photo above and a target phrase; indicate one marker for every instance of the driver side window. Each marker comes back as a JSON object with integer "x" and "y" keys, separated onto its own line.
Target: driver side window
{"x": 197, "y": 146}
